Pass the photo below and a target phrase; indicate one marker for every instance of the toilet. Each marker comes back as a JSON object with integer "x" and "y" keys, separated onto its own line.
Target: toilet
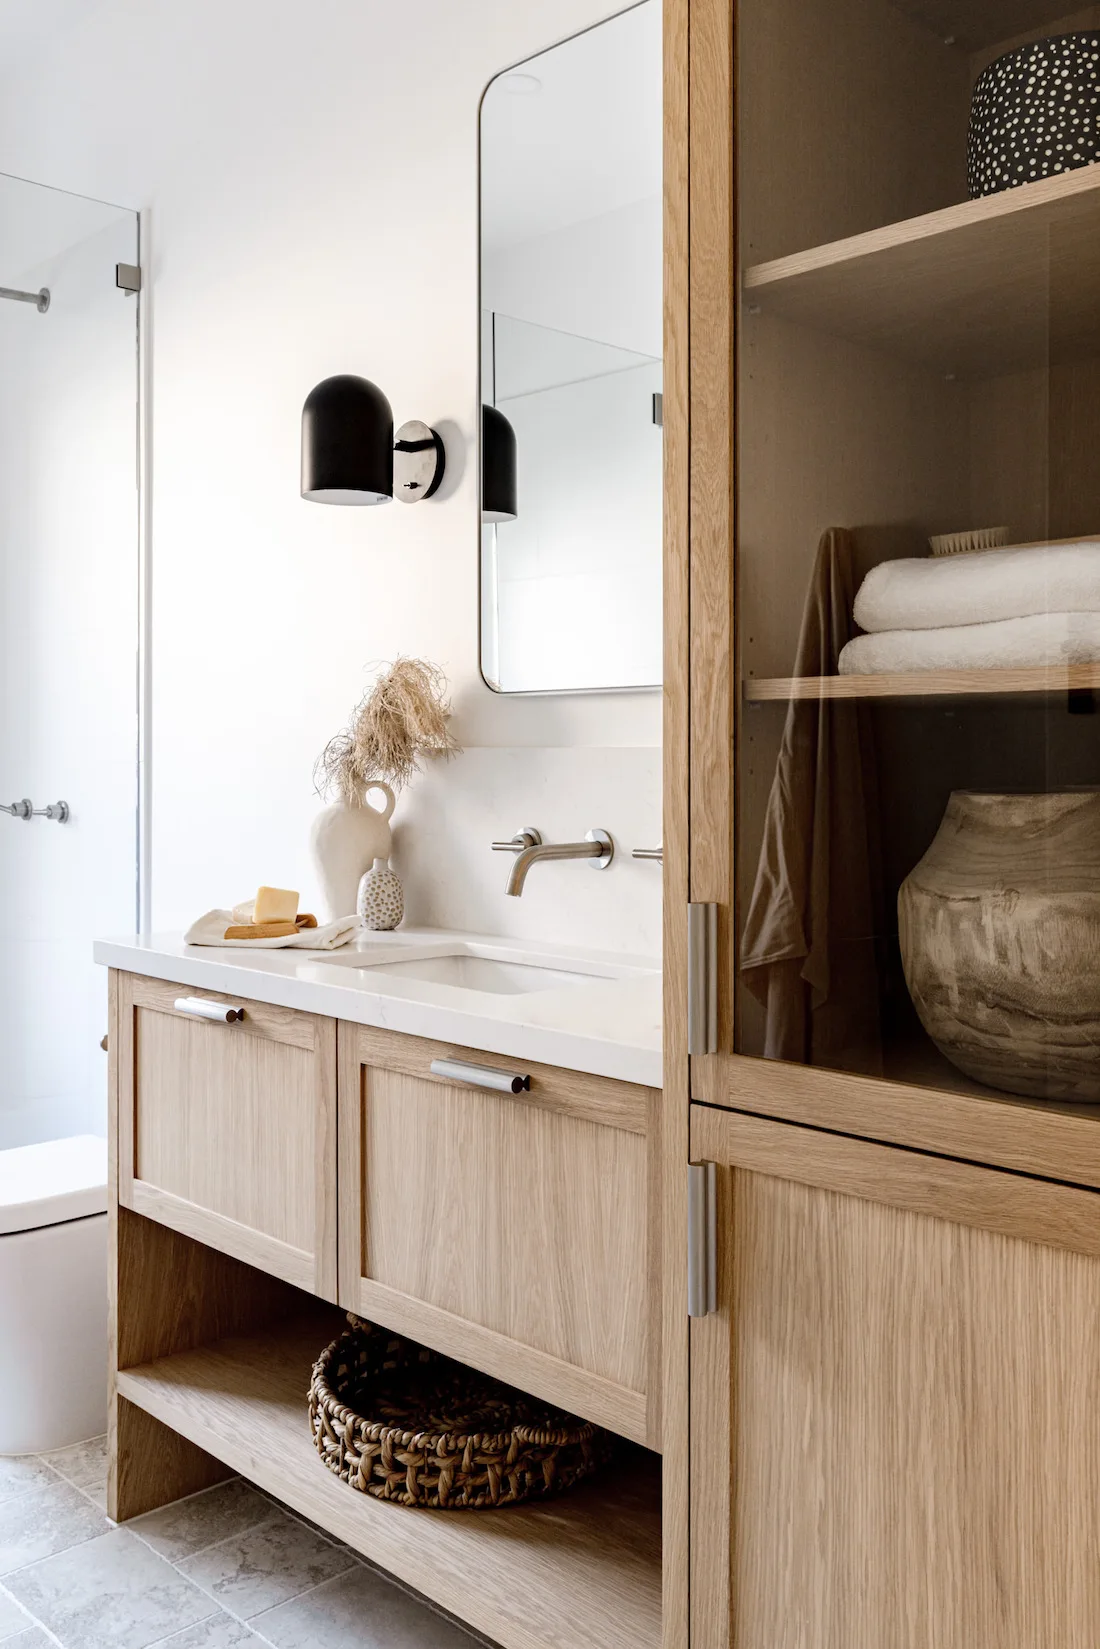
{"x": 53, "y": 1294}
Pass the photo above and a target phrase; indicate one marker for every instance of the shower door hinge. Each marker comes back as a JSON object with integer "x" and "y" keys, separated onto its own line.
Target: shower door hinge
{"x": 702, "y": 1239}
{"x": 702, "y": 979}
{"x": 128, "y": 277}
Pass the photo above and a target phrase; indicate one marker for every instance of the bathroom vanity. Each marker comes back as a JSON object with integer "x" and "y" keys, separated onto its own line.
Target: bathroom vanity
{"x": 284, "y": 1154}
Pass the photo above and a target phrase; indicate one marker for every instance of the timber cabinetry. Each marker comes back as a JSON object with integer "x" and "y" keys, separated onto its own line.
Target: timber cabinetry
{"x": 227, "y": 1131}
{"x": 895, "y": 1409}
{"x": 517, "y": 1232}
{"x": 273, "y": 1172}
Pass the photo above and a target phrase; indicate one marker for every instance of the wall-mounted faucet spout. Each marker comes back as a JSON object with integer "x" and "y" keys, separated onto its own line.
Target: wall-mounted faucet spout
{"x": 529, "y": 847}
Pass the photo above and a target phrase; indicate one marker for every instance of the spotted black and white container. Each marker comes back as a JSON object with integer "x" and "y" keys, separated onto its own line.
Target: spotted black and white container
{"x": 381, "y": 902}
{"x": 1036, "y": 112}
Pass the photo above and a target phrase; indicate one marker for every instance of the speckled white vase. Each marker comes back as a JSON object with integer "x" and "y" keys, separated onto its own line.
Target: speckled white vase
{"x": 381, "y": 902}
{"x": 345, "y": 841}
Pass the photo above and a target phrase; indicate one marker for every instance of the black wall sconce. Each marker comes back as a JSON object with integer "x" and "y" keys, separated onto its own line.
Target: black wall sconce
{"x": 498, "y": 466}
{"x": 350, "y": 454}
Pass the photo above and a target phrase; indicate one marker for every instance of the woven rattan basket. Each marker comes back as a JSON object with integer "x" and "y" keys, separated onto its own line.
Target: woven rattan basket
{"x": 402, "y": 1423}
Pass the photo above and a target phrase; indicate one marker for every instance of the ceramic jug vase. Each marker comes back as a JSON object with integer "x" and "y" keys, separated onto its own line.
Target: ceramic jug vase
{"x": 345, "y": 841}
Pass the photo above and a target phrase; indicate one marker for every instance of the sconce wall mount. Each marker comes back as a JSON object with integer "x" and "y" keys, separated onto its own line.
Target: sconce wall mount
{"x": 349, "y": 454}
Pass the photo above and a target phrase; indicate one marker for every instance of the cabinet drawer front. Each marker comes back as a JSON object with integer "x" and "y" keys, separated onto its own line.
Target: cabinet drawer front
{"x": 227, "y": 1131}
{"x": 507, "y": 1230}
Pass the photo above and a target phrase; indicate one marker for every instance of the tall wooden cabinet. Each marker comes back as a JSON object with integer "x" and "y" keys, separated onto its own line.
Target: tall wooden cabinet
{"x": 891, "y": 1409}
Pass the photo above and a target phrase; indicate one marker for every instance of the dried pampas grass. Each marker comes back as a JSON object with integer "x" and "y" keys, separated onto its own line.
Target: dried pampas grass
{"x": 403, "y": 717}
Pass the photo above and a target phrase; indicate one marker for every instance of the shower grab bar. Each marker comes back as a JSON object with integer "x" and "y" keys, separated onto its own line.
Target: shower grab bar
{"x": 40, "y": 299}
{"x": 27, "y": 810}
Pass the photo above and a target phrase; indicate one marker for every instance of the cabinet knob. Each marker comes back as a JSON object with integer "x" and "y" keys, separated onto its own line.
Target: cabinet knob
{"x": 199, "y": 1008}
{"x": 105, "y": 1043}
{"x": 480, "y": 1076}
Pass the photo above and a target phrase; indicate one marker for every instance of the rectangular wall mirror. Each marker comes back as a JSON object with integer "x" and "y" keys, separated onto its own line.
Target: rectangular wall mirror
{"x": 571, "y": 353}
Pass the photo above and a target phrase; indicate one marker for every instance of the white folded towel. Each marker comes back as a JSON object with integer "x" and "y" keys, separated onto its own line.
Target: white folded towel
{"x": 210, "y": 930}
{"x": 977, "y": 589}
{"x": 1006, "y": 644}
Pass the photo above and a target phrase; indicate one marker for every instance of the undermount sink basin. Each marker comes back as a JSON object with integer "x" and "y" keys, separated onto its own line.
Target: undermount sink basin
{"x": 475, "y": 965}
{"x": 481, "y": 973}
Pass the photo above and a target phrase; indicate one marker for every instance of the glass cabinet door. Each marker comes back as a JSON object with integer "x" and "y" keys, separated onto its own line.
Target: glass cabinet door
{"x": 918, "y": 562}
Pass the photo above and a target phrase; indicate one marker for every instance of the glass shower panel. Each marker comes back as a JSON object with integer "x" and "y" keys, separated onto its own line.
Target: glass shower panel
{"x": 69, "y": 630}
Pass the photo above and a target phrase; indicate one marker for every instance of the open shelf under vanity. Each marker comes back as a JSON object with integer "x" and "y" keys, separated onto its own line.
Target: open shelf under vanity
{"x": 583, "y": 1568}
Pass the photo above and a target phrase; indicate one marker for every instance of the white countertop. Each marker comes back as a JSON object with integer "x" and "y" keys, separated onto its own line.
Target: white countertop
{"x": 609, "y": 1026}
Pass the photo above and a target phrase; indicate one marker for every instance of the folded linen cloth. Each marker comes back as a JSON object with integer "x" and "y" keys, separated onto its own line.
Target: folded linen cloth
{"x": 929, "y": 593}
{"x": 210, "y": 930}
{"x": 1006, "y": 644}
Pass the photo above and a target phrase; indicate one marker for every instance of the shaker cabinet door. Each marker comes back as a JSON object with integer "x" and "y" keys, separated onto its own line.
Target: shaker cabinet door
{"x": 895, "y": 1409}
{"x": 227, "y": 1127}
{"x": 511, "y": 1231}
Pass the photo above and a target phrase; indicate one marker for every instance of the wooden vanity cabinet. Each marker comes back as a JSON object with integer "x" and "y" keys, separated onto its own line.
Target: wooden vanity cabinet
{"x": 895, "y": 1409}
{"x": 266, "y": 1162}
{"x": 515, "y": 1232}
{"x": 227, "y": 1132}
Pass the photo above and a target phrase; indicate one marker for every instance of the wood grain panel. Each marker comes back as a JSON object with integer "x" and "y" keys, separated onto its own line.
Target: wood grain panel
{"x": 583, "y": 1569}
{"x": 967, "y": 289}
{"x": 917, "y": 1433}
{"x": 916, "y": 684}
{"x": 523, "y": 1221}
{"x": 227, "y": 1122}
{"x": 1035, "y": 1211}
{"x": 1059, "y": 1142}
{"x": 902, "y": 1403}
{"x": 168, "y": 1294}
{"x": 287, "y": 1025}
{"x": 671, "y": 1140}
{"x": 850, "y": 116}
{"x": 568, "y": 1386}
{"x": 231, "y": 1123}
{"x": 574, "y": 1093}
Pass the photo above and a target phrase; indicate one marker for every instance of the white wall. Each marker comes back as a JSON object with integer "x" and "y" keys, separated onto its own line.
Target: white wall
{"x": 310, "y": 179}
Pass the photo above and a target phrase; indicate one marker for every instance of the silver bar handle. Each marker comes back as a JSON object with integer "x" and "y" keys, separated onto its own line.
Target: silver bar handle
{"x": 480, "y": 1076}
{"x": 702, "y": 1277}
{"x": 702, "y": 979}
{"x": 657, "y": 853}
{"x": 199, "y": 1008}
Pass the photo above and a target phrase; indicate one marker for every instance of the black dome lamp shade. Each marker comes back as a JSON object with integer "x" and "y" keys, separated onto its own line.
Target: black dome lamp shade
{"x": 347, "y": 443}
{"x": 350, "y": 456}
{"x": 498, "y": 466}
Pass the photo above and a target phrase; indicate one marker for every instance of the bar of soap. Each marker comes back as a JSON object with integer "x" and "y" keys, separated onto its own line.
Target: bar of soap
{"x": 274, "y": 904}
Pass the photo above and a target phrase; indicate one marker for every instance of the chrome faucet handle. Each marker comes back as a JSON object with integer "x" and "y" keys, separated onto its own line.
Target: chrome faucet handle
{"x": 657, "y": 853}
{"x": 527, "y": 836}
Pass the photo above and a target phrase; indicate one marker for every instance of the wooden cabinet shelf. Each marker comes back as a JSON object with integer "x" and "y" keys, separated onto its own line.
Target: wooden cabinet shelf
{"x": 987, "y": 287}
{"x": 585, "y": 1568}
{"x": 926, "y": 684}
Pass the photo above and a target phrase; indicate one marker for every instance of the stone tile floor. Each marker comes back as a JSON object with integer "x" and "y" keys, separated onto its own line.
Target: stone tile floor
{"x": 229, "y": 1567}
